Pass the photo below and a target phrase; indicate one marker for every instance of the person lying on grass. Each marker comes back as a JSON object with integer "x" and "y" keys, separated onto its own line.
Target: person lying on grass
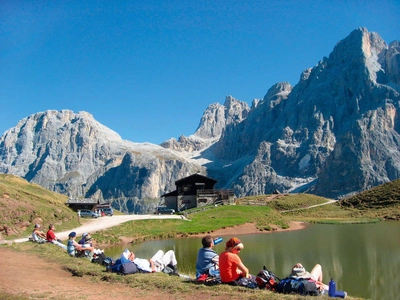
{"x": 157, "y": 263}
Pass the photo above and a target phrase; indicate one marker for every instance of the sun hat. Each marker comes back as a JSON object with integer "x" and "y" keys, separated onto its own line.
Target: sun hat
{"x": 300, "y": 272}
{"x": 72, "y": 234}
{"x": 233, "y": 242}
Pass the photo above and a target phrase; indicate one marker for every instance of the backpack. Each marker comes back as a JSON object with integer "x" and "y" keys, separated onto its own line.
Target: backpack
{"x": 99, "y": 258}
{"x": 301, "y": 286}
{"x": 168, "y": 269}
{"x": 128, "y": 268}
{"x": 268, "y": 280}
{"x": 212, "y": 278}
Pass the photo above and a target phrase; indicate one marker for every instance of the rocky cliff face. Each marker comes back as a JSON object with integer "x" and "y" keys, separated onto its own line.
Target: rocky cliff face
{"x": 213, "y": 122}
{"x": 75, "y": 155}
{"x": 336, "y": 130}
{"x": 334, "y": 133}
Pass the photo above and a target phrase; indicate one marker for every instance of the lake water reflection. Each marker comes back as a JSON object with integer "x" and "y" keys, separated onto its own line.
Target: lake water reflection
{"x": 363, "y": 259}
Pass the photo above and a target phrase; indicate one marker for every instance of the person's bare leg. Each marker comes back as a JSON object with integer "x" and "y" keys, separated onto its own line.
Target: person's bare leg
{"x": 316, "y": 272}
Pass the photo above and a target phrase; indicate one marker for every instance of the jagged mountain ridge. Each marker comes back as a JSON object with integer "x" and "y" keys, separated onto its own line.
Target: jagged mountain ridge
{"x": 318, "y": 133}
{"x": 334, "y": 133}
{"x": 73, "y": 154}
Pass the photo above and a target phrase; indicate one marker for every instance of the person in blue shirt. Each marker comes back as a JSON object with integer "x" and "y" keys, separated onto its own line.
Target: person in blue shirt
{"x": 207, "y": 258}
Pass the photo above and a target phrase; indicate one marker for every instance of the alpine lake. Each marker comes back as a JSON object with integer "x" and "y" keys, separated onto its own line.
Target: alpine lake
{"x": 363, "y": 259}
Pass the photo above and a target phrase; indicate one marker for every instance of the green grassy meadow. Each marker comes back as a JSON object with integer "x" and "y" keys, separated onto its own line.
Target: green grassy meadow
{"x": 22, "y": 204}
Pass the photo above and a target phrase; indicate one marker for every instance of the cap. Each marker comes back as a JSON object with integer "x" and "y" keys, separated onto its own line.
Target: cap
{"x": 85, "y": 234}
{"x": 72, "y": 234}
{"x": 37, "y": 226}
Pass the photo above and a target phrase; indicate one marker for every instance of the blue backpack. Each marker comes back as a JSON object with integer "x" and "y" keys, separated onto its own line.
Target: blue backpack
{"x": 124, "y": 268}
{"x": 301, "y": 286}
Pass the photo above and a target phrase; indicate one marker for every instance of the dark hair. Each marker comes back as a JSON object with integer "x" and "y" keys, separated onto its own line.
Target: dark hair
{"x": 50, "y": 226}
{"x": 206, "y": 241}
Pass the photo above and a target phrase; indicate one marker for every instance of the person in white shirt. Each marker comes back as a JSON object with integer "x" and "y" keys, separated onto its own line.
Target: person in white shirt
{"x": 38, "y": 235}
{"x": 157, "y": 263}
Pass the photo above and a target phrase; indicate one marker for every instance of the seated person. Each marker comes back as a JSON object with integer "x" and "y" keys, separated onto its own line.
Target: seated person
{"x": 207, "y": 258}
{"x": 157, "y": 263}
{"x": 85, "y": 235}
{"x": 87, "y": 241}
{"x": 230, "y": 265}
{"x": 51, "y": 237}
{"x": 298, "y": 271}
{"x": 74, "y": 248}
{"x": 38, "y": 235}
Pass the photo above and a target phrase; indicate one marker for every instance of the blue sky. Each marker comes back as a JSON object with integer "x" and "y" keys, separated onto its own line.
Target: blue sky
{"x": 149, "y": 69}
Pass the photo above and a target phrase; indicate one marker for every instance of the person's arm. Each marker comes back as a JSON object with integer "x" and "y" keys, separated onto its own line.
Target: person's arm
{"x": 215, "y": 259}
{"x": 243, "y": 270}
{"x": 77, "y": 246}
{"x": 87, "y": 248}
{"x": 152, "y": 266}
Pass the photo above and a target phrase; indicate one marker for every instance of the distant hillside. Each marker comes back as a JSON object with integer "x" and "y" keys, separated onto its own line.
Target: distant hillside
{"x": 383, "y": 197}
{"x": 23, "y": 204}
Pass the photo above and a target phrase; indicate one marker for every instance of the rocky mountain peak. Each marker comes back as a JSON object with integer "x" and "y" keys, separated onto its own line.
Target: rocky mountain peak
{"x": 333, "y": 133}
{"x": 235, "y": 111}
{"x": 213, "y": 122}
{"x": 302, "y": 133}
{"x": 277, "y": 93}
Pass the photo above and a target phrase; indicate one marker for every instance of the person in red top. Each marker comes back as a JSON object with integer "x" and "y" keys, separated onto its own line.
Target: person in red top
{"x": 231, "y": 267}
{"x": 51, "y": 237}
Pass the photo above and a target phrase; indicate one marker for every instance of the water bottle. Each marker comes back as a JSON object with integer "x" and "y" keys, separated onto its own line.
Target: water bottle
{"x": 217, "y": 240}
{"x": 332, "y": 288}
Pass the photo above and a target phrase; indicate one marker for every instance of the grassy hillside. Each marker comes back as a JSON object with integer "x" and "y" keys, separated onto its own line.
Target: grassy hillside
{"x": 22, "y": 204}
{"x": 201, "y": 222}
{"x": 382, "y": 201}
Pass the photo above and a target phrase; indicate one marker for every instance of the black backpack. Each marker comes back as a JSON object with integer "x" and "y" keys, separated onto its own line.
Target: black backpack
{"x": 301, "y": 286}
{"x": 99, "y": 258}
{"x": 267, "y": 280}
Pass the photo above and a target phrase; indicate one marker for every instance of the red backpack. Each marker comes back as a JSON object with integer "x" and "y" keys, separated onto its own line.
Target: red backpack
{"x": 267, "y": 280}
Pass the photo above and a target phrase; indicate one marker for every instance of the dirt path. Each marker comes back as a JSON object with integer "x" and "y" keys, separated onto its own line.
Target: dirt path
{"x": 93, "y": 225}
{"x": 308, "y": 207}
{"x": 39, "y": 279}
